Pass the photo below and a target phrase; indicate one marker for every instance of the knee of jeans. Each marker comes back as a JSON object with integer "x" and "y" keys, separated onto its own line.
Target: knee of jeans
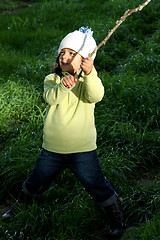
{"x": 89, "y": 181}
{"x": 27, "y": 192}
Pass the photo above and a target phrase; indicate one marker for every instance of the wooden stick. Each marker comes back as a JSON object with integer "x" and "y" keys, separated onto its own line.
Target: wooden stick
{"x": 118, "y": 23}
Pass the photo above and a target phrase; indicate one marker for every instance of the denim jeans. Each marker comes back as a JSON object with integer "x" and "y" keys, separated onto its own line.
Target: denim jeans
{"x": 85, "y": 166}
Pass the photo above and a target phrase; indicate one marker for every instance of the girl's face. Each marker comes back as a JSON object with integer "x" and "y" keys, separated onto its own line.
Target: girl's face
{"x": 69, "y": 60}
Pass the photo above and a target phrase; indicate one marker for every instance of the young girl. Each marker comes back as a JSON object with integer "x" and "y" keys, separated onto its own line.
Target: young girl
{"x": 69, "y": 134}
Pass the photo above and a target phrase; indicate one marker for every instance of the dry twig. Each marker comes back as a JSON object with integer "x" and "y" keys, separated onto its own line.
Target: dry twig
{"x": 118, "y": 23}
{"x": 127, "y": 13}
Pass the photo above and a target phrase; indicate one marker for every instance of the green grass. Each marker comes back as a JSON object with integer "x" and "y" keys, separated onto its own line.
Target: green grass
{"x": 127, "y": 119}
{"x": 149, "y": 230}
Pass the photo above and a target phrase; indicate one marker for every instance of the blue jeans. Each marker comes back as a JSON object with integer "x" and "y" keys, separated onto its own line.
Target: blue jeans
{"x": 85, "y": 167}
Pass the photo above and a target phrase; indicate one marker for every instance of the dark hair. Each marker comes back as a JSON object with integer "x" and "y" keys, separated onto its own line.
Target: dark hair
{"x": 56, "y": 68}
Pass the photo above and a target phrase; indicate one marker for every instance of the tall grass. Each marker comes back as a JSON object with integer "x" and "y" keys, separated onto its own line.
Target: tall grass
{"x": 127, "y": 119}
{"x": 147, "y": 231}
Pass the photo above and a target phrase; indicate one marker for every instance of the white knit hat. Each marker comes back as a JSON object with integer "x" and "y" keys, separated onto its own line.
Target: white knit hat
{"x": 80, "y": 41}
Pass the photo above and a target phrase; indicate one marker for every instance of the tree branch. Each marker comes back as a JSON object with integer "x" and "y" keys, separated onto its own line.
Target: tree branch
{"x": 118, "y": 23}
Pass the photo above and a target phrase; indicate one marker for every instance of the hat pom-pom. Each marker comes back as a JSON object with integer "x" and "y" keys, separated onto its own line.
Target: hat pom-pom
{"x": 86, "y": 30}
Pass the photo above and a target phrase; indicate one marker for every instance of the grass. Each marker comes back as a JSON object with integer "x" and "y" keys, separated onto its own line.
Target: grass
{"x": 149, "y": 230}
{"x": 127, "y": 119}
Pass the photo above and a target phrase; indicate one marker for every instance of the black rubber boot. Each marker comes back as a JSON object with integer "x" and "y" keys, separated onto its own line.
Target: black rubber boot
{"x": 8, "y": 214}
{"x": 117, "y": 222}
{"x": 14, "y": 209}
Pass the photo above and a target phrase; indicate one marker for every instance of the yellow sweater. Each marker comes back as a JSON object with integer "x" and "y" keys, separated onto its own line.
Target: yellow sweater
{"x": 69, "y": 124}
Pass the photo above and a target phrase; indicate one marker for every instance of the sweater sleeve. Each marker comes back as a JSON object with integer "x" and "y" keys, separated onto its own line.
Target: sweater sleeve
{"x": 54, "y": 90}
{"x": 94, "y": 87}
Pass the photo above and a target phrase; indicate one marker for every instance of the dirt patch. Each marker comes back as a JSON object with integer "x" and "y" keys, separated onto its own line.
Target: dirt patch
{"x": 149, "y": 176}
{"x": 12, "y": 6}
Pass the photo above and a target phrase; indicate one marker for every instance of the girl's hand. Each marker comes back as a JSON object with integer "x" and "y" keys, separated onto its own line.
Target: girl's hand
{"x": 69, "y": 81}
{"x": 87, "y": 65}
